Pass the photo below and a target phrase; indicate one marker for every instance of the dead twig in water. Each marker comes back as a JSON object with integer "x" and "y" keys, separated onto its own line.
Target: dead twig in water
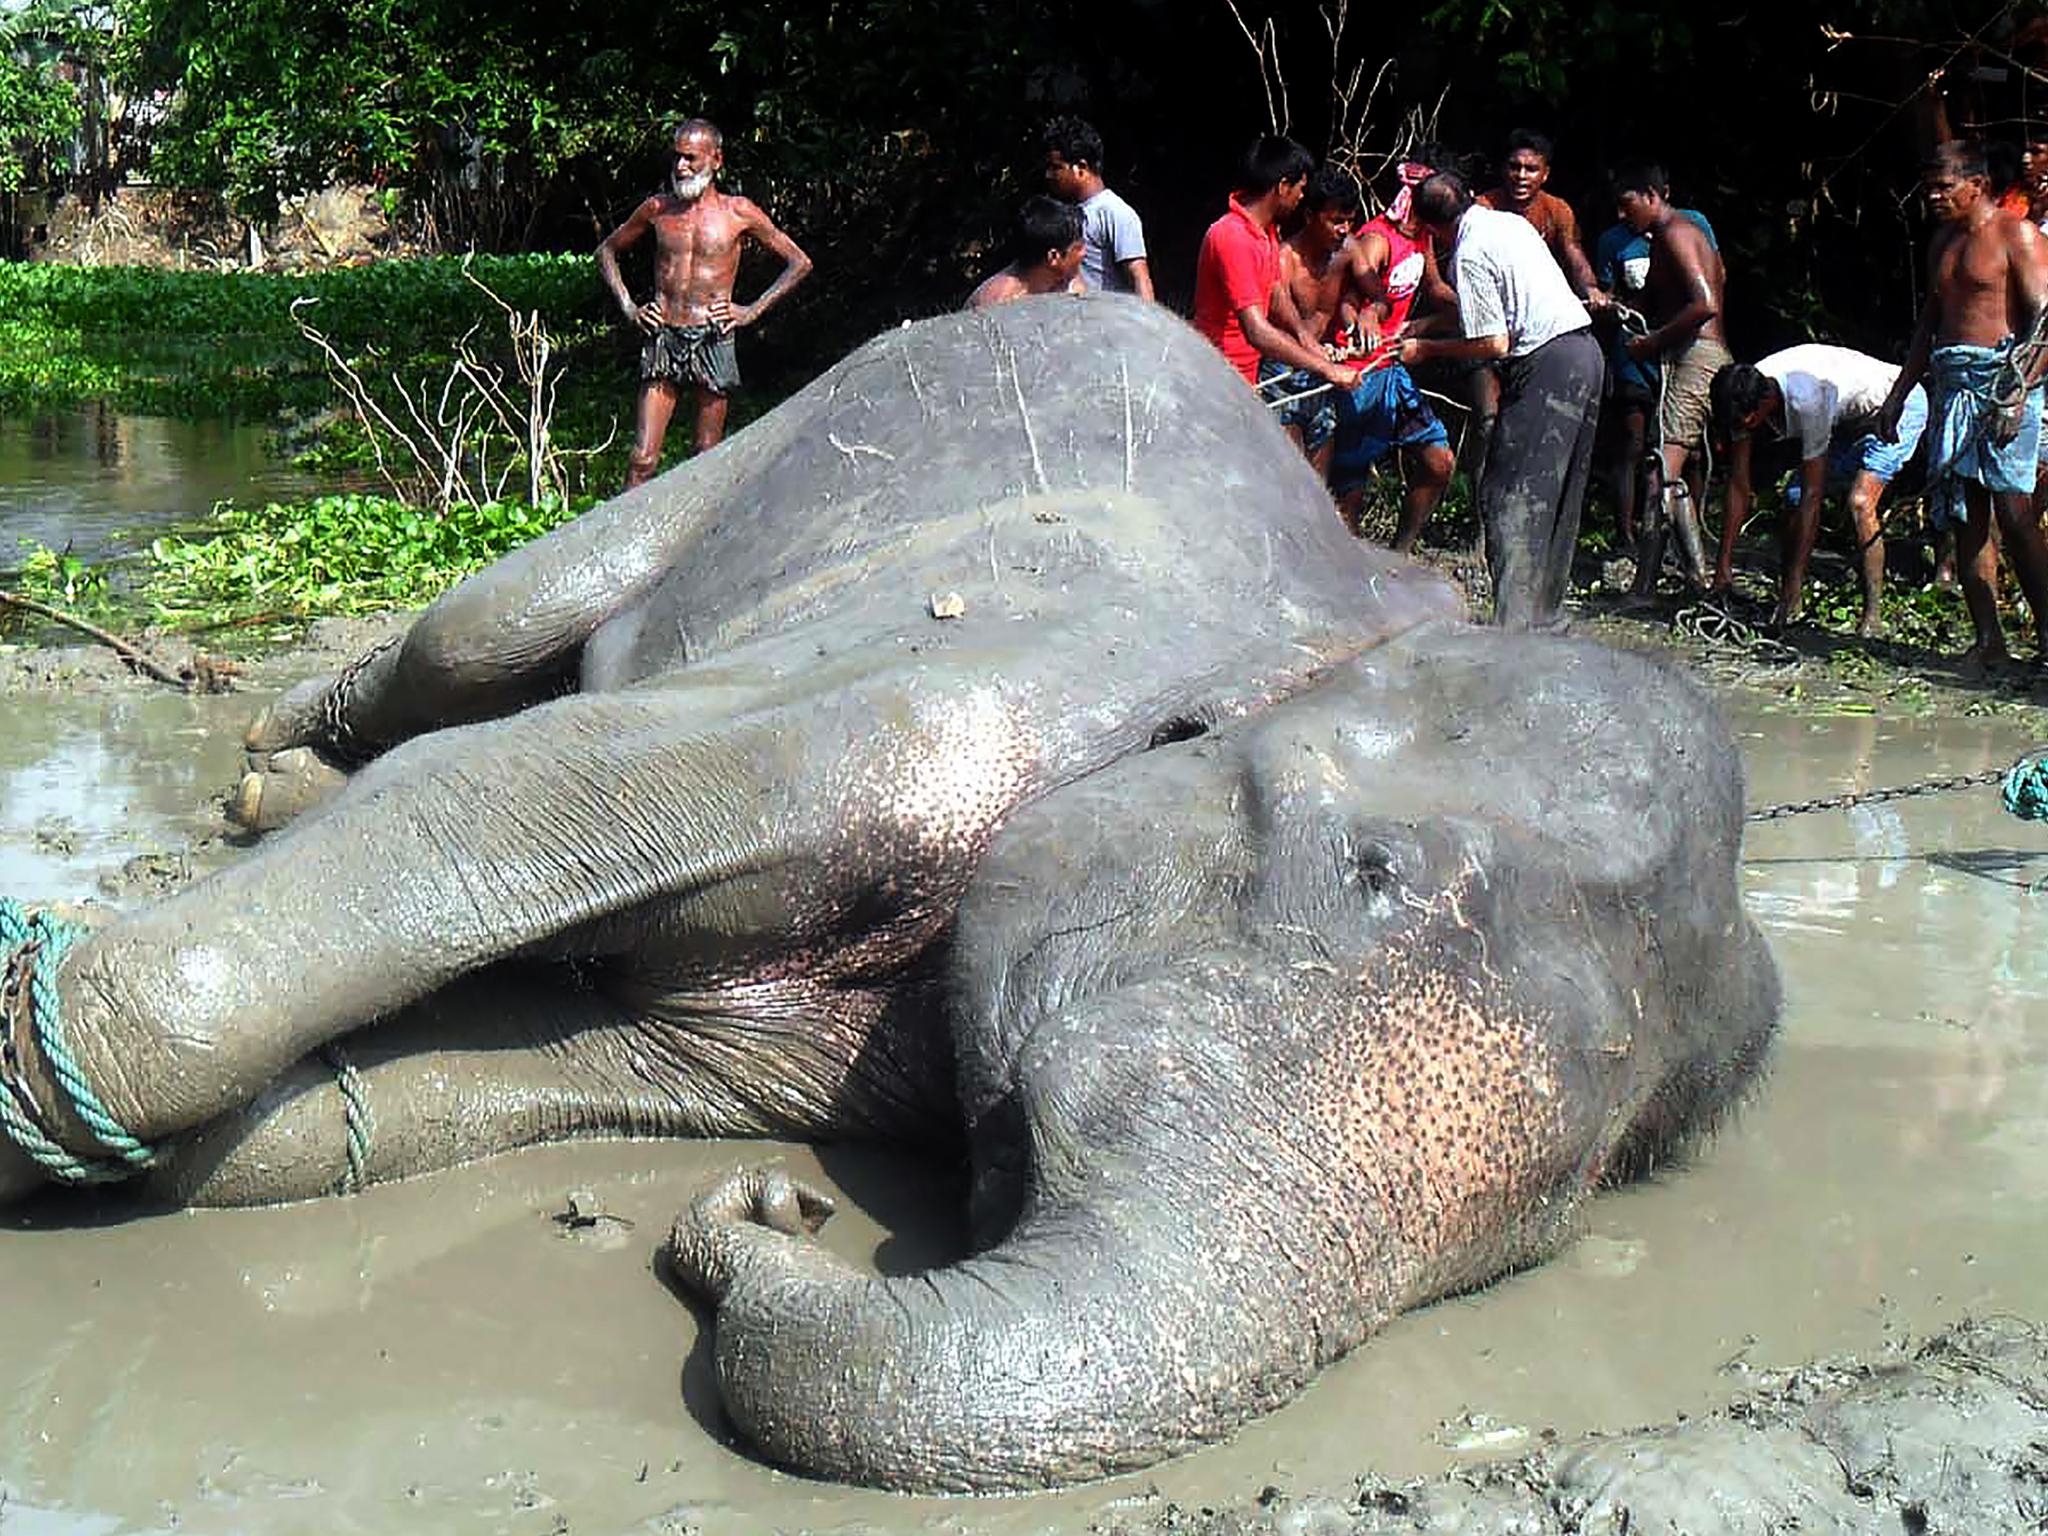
{"x": 128, "y": 651}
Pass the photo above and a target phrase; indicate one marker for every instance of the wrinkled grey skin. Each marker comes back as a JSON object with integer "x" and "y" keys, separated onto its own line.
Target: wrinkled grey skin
{"x": 1283, "y": 952}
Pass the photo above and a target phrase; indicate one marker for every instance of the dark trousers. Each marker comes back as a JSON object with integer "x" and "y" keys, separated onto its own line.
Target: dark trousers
{"x": 1535, "y": 485}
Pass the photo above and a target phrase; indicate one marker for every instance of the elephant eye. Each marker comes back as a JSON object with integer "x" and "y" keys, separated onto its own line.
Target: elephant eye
{"x": 1180, "y": 728}
{"x": 1377, "y": 870}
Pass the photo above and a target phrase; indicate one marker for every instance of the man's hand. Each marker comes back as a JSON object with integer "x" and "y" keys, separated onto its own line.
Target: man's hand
{"x": 1598, "y": 299}
{"x": 2006, "y": 423}
{"x": 1642, "y": 349}
{"x": 1338, "y": 374}
{"x": 728, "y": 316}
{"x": 648, "y": 316}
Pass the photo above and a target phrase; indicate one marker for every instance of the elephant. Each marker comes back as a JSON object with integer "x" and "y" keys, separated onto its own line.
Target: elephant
{"x": 1000, "y": 747}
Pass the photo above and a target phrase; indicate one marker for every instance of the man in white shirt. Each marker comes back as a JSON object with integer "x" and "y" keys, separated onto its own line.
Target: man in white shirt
{"x": 1113, "y": 238}
{"x": 1516, "y": 311}
{"x": 1828, "y": 398}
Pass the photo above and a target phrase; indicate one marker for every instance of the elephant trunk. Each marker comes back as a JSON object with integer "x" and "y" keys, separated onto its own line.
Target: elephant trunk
{"x": 1073, "y": 1351}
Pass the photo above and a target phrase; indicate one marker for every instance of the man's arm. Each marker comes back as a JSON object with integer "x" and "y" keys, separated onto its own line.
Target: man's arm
{"x": 1282, "y": 308}
{"x": 1127, "y": 247}
{"x": 1482, "y": 322}
{"x": 1489, "y": 348}
{"x": 1689, "y": 253}
{"x": 796, "y": 266}
{"x": 1362, "y": 304}
{"x": 647, "y": 316}
{"x": 1915, "y": 366}
{"x": 2027, "y": 252}
{"x": 1572, "y": 257}
{"x": 1735, "y": 504}
{"x": 1269, "y": 340}
{"x": 1437, "y": 300}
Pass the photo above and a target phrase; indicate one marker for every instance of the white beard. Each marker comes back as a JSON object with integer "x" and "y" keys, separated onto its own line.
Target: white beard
{"x": 690, "y": 188}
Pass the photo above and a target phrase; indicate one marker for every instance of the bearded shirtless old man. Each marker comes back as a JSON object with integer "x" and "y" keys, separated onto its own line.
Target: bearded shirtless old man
{"x": 699, "y": 233}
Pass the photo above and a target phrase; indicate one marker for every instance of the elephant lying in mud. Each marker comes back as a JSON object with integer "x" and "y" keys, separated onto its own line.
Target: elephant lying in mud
{"x": 1278, "y": 951}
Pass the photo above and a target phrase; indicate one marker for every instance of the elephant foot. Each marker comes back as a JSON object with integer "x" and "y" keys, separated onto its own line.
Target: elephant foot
{"x": 281, "y": 785}
{"x": 708, "y": 1238}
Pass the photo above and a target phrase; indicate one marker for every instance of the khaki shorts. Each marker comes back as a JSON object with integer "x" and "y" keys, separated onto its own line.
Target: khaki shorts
{"x": 1688, "y": 376}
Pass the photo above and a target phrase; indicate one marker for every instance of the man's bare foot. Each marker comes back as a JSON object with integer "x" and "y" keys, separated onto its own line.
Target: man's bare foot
{"x": 1981, "y": 661}
{"x": 1870, "y": 627}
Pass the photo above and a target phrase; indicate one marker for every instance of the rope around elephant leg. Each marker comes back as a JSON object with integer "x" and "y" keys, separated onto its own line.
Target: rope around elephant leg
{"x": 33, "y": 944}
{"x": 356, "y": 1115}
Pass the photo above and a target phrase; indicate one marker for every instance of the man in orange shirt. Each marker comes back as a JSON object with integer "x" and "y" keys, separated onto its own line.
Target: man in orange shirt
{"x": 1522, "y": 177}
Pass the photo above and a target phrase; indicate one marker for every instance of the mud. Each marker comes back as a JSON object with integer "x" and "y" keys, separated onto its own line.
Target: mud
{"x": 449, "y": 1355}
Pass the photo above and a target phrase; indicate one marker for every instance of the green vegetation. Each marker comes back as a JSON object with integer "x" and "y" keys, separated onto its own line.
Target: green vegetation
{"x": 39, "y": 109}
{"x": 228, "y": 343}
{"x": 349, "y": 554}
{"x": 265, "y": 571}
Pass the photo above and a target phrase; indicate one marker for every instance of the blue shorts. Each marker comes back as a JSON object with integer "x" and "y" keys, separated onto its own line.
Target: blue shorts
{"x": 1871, "y": 454}
{"x": 1386, "y": 411}
{"x": 1314, "y": 413}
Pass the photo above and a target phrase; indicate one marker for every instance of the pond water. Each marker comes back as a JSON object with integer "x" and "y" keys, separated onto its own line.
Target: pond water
{"x": 441, "y": 1355}
{"x": 103, "y": 482}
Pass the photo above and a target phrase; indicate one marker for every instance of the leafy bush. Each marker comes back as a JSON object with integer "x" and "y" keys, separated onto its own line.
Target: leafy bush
{"x": 226, "y": 343}
{"x": 347, "y": 554}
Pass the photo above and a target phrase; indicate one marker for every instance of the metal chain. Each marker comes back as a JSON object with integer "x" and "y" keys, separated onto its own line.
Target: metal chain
{"x": 1912, "y": 791}
{"x": 344, "y": 742}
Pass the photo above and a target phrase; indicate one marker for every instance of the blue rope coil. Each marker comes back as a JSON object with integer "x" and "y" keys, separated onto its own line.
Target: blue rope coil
{"x": 40, "y": 940}
{"x": 2026, "y": 789}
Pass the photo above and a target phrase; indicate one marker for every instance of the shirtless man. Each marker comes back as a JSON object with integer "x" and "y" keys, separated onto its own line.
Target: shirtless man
{"x": 1046, "y": 251}
{"x": 1311, "y": 280}
{"x": 699, "y": 233}
{"x": 1685, "y": 294}
{"x": 1986, "y": 292}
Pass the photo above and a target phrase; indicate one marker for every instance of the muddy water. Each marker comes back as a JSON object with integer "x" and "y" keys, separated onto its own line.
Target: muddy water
{"x": 442, "y": 1355}
{"x": 101, "y": 482}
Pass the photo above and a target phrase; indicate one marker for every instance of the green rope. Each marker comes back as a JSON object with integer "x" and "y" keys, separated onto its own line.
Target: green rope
{"x": 34, "y": 943}
{"x": 2026, "y": 789}
{"x": 356, "y": 1115}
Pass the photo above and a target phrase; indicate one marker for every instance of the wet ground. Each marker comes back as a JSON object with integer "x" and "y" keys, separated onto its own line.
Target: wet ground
{"x": 445, "y": 1355}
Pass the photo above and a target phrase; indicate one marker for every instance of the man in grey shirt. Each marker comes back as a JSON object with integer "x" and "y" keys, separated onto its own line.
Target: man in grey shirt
{"x": 1517, "y": 312}
{"x": 1113, "y": 237}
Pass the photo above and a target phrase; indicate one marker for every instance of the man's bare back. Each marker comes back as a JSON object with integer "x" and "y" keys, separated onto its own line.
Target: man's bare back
{"x": 699, "y": 233}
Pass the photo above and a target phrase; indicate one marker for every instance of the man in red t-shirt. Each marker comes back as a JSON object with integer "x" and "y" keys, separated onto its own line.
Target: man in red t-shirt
{"x": 1240, "y": 303}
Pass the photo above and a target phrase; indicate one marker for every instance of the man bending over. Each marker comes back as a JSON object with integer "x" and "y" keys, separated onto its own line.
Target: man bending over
{"x": 1828, "y": 398}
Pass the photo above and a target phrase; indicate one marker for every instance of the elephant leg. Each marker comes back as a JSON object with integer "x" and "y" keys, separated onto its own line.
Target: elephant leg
{"x": 686, "y": 827}
{"x": 506, "y": 637}
{"x": 515, "y": 1057}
